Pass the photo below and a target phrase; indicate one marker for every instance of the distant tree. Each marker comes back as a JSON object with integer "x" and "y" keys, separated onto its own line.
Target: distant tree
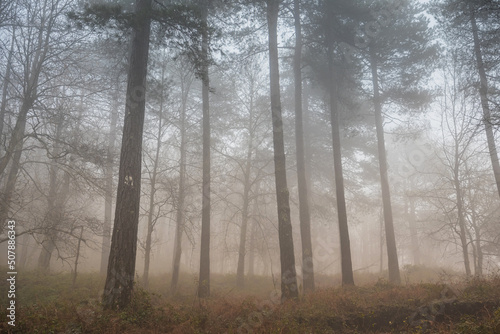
{"x": 304, "y": 215}
{"x": 36, "y": 73}
{"x": 400, "y": 57}
{"x": 204, "y": 277}
{"x": 474, "y": 24}
{"x": 159, "y": 92}
{"x": 186, "y": 77}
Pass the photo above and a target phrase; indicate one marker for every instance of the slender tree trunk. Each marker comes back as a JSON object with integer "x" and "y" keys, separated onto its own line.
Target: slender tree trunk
{"x": 460, "y": 212}
{"x": 152, "y": 192}
{"x": 251, "y": 249}
{"x": 415, "y": 249}
{"x": 483, "y": 93}
{"x": 179, "y": 228}
{"x": 16, "y": 142}
{"x": 108, "y": 197}
{"x": 304, "y": 215}
{"x": 479, "y": 252}
{"x": 121, "y": 265}
{"x": 204, "y": 278}
{"x": 392, "y": 252}
{"x": 14, "y": 152}
{"x": 345, "y": 244}
{"x": 240, "y": 271}
{"x": 382, "y": 239}
{"x": 55, "y": 200}
{"x": 287, "y": 256}
{"x": 75, "y": 272}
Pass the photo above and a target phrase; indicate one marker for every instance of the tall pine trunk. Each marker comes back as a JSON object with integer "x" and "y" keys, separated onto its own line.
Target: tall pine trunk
{"x": 304, "y": 215}
{"x": 483, "y": 93}
{"x": 121, "y": 265}
{"x": 287, "y": 257}
{"x": 345, "y": 244}
{"x": 392, "y": 252}
{"x": 204, "y": 277}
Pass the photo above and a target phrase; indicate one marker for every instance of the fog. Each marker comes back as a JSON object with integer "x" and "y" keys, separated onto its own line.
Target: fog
{"x": 133, "y": 149}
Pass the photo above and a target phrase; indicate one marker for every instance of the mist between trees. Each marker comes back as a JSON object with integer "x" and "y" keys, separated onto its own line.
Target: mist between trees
{"x": 249, "y": 138}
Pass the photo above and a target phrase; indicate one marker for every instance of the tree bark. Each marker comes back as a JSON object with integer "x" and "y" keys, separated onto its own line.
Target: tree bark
{"x": 483, "y": 93}
{"x": 240, "y": 271}
{"x": 204, "y": 277}
{"x": 122, "y": 257}
{"x": 392, "y": 252}
{"x": 287, "y": 257}
{"x": 345, "y": 244}
{"x": 304, "y": 215}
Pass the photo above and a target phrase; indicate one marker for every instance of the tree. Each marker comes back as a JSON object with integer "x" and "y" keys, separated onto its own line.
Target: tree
{"x": 304, "y": 215}
{"x": 108, "y": 196}
{"x": 466, "y": 20}
{"x": 37, "y": 72}
{"x": 154, "y": 209}
{"x": 404, "y": 44}
{"x": 186, "y": 79}
{"x": 121, "y": 267}
{"x": 287, "y": 256}
{"x": 345, "y": 247}
{"x": 204, "y": 277}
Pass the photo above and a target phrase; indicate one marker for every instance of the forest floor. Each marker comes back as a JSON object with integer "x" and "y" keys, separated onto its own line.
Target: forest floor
{"x": 48, "y": 303}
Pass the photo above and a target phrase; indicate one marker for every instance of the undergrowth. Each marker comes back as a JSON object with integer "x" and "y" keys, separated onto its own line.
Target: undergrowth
{"x": 48, "y": 303}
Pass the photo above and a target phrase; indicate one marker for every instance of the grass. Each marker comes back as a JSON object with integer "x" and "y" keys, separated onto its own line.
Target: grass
{"x": 49, "y": 304}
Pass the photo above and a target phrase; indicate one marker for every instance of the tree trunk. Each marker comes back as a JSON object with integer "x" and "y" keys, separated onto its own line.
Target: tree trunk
{"x": 483, "y": 93}
{"x": 304, "y": 215}
{"x": 152, "y": 192}
{"x": 415, "y": 249}
{"x": 382, "y": 240}
{"x": 55, "y": 200}
{"x": 179, "y": 228}
{"x": 75, "y": 272}
{"x": 240, "y": 271}
{"x": 392, "y": 252}
{"x": 14, "y": 152}
{"x": 345, "y": 245}
{"x": 108, "y": 199}
{"x": 251, "y": 249}
{"x": 204, "y": 278}
{"x": 460, "y": 211}
{"x": 287, "y": 257}
{"x": 121, "y": 266}
{"x": 16, "y": 142}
